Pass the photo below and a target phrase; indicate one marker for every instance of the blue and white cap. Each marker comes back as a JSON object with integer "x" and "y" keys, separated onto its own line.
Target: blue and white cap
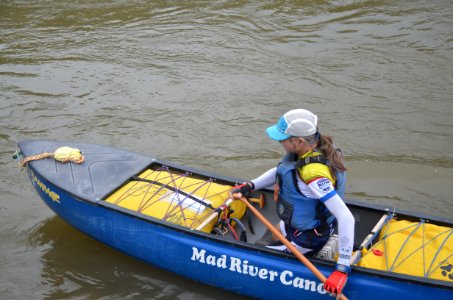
{"x": 296, "y": 122}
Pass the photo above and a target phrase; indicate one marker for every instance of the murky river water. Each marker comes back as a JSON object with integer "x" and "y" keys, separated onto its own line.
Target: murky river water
{"x": 197, "y": 82}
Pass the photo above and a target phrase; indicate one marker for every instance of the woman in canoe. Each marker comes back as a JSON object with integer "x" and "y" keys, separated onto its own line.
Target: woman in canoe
{"x": 309, "y": 185}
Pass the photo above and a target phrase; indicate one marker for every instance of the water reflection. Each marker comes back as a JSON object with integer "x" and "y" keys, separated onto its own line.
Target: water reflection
{"x": 75, "y": 266}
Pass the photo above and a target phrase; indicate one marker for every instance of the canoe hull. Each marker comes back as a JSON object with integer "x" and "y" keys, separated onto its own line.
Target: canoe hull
{"x": 234, "y": 266}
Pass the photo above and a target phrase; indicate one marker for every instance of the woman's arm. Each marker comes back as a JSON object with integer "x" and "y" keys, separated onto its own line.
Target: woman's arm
{"x": 323, "y": 189}
{"x": 267, "y": 179}
{"x": 346, "y": 224}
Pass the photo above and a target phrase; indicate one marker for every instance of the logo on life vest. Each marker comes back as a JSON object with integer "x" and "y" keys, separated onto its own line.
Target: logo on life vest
{"x": 324, "y": 185}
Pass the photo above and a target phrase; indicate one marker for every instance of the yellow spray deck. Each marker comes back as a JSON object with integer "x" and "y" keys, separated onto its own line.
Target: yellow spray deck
{"x": 175, "y": 197}
{"x": 413, "y": 248}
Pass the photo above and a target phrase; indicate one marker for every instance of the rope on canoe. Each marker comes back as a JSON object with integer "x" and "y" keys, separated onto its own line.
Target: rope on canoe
{"x": 62, "y": 154}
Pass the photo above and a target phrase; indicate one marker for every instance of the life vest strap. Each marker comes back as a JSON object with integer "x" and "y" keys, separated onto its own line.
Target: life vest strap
{"x": 301, "y": 162}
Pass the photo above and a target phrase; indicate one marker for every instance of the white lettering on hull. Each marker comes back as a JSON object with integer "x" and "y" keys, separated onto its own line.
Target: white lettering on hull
{"x": 244, "y": 267}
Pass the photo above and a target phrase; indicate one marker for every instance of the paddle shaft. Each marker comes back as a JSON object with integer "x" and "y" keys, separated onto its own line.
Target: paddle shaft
{"x": 213, "y": 215}
{"x": 288, "y": 244}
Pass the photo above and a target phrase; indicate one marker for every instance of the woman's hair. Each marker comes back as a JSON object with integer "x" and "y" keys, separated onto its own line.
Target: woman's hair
{"x": 325, "y": 145}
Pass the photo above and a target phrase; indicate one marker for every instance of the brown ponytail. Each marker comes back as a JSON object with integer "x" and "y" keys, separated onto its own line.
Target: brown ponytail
{"x": 335, "y": 157}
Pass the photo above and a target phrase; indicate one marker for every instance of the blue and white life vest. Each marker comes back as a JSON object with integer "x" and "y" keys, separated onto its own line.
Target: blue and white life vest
{"x": 294, "y": 208}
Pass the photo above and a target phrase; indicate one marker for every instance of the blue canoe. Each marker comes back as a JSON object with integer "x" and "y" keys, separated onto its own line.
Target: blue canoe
{"x": 77, "y": 193}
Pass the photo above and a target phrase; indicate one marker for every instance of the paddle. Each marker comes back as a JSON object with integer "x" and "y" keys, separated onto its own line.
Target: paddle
{"x": 288, "y": 244}
{"x": 217, "y": 211}
{"x": 214, "y": 214}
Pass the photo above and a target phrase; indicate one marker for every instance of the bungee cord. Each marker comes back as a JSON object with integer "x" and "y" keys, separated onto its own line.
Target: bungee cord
{"x": 180, "y": 195}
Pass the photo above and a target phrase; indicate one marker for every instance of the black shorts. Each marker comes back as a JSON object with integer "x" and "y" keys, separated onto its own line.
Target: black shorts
{"x": 310, "y": 238}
